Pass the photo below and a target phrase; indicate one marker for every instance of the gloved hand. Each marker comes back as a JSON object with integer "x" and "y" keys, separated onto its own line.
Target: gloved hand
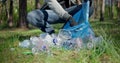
{"x": 72, "y": 22}
{"x": 68, "y": 17}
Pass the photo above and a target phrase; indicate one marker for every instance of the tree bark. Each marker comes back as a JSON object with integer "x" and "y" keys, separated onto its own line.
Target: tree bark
{"x": 37, "y": 4}
{"x": 10, "y": 16}
{"x": 118, "y": 10}
{"x": 110, "y": 7}
{"x": 22, "y": 14}
{"x": 96, "y": 9}
{"x": 0, "y": 14}
{"x": 102, "y": 10}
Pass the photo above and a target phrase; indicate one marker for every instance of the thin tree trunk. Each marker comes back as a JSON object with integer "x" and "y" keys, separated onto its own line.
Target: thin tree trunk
{"x": 112, "y": 9}
{"x": 118, "y": 10}
{"x": 102, "y": 9}
{"x": 109, "y": 11}
{"x": 10, "y": 16}
{"x": 0, "y": 14}
{"x": 96, "y": 8}
{"x": 113, "y": 4}
{"x": 110, "y": 14}
{"x": 37, "y": 4}
{"x": 22, "y": 14}
{"x": 6, "y": 9}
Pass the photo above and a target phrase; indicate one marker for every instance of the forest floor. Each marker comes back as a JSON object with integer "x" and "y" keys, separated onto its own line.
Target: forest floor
{"x": 108, "y": 52}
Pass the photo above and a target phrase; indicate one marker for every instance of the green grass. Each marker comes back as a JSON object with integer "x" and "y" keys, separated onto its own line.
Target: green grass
{"x": 107, "y": 52}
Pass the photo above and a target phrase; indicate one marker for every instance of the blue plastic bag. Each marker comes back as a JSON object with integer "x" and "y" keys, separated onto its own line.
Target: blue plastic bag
{"x": 83, "y": 29}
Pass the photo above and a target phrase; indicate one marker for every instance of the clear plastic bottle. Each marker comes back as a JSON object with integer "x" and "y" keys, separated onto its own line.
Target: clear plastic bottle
{"x": 25, "y": 44}
{"x": 34, "y": 40}
{"x": 64, "y": 35}
{"x": 90, "y": 45}
{"x": 97, "y": 40}
{"x": 39, "y": 46}
{"x": 35, "y": 50}
{"x": 74, "y": 43}
{"x": 79, "y": 42}
{"x": 47, "y": 38}
{"x": 94, "y": 41}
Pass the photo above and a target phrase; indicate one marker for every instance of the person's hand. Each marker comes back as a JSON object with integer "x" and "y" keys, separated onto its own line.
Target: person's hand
{"x": 72, "y": 22}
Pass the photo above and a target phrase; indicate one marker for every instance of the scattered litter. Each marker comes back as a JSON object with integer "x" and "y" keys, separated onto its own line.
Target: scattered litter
{"x": 64, "y": 39}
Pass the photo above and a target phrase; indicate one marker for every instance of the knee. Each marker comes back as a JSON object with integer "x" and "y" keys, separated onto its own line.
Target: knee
{"x": 30, "y": 16}
{"x": 35, "y": 17}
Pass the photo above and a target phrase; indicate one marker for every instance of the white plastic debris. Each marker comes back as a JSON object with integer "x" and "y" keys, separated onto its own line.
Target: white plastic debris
{"x": 63, "y": 39}
{"x": 25, "y": 44}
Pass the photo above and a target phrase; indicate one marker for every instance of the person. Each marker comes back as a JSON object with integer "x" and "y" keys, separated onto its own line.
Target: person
{"x": 43, "y": 18}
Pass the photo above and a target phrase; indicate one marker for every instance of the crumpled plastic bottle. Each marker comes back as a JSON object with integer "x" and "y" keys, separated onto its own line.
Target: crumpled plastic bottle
{"x": 94, "y": 41}
{"x": 64, "y": 35}
{"x": 79, "y": 43}
{"x": 39, "y": 45}
{"x": 25, "y": 44}
{"x": 47, "y": 38}
{"x": 36, "y": 50}
{"x": 34, "y": 40}
{"x": 97, "y": 40}
{"x": 74, "y": 43}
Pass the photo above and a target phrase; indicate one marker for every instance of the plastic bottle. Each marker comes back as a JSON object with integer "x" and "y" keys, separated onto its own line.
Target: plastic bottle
{"x": 94, "y": 41}
{"x": 74, "y": 43}
{"x": 35, "y": 40}
{"x": 39, "y": 44}
{"x": 47, "y": 38}
{"x": 79, "y": 42}
{"x": 25, "y": 44}
{"x": 65, "y": 34}
{"x": 97, "y": 40}
{"x": 90, "y": 45}
{"x": 35, "y": 50}
{"x": 56, "y": 40}
{"x": 40, "y": 48}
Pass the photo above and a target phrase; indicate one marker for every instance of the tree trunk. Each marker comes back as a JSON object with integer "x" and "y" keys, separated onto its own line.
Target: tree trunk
{"x": 22, "y": 14}
{"x": 102, "y": 9}
{"x": 0, "y": 13}
{"x": 118, "y": 10}
{"x": 110, "y": 7}
{"x": 113, "y": 3}
{"x": 111, "y": 16}
{"x": 37, "y": 4}
{"x": 96, "y": 9}
{"x": 109, "y": 10}
{"x": 6, "y": 9}
{"x": 10, "y": 16}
